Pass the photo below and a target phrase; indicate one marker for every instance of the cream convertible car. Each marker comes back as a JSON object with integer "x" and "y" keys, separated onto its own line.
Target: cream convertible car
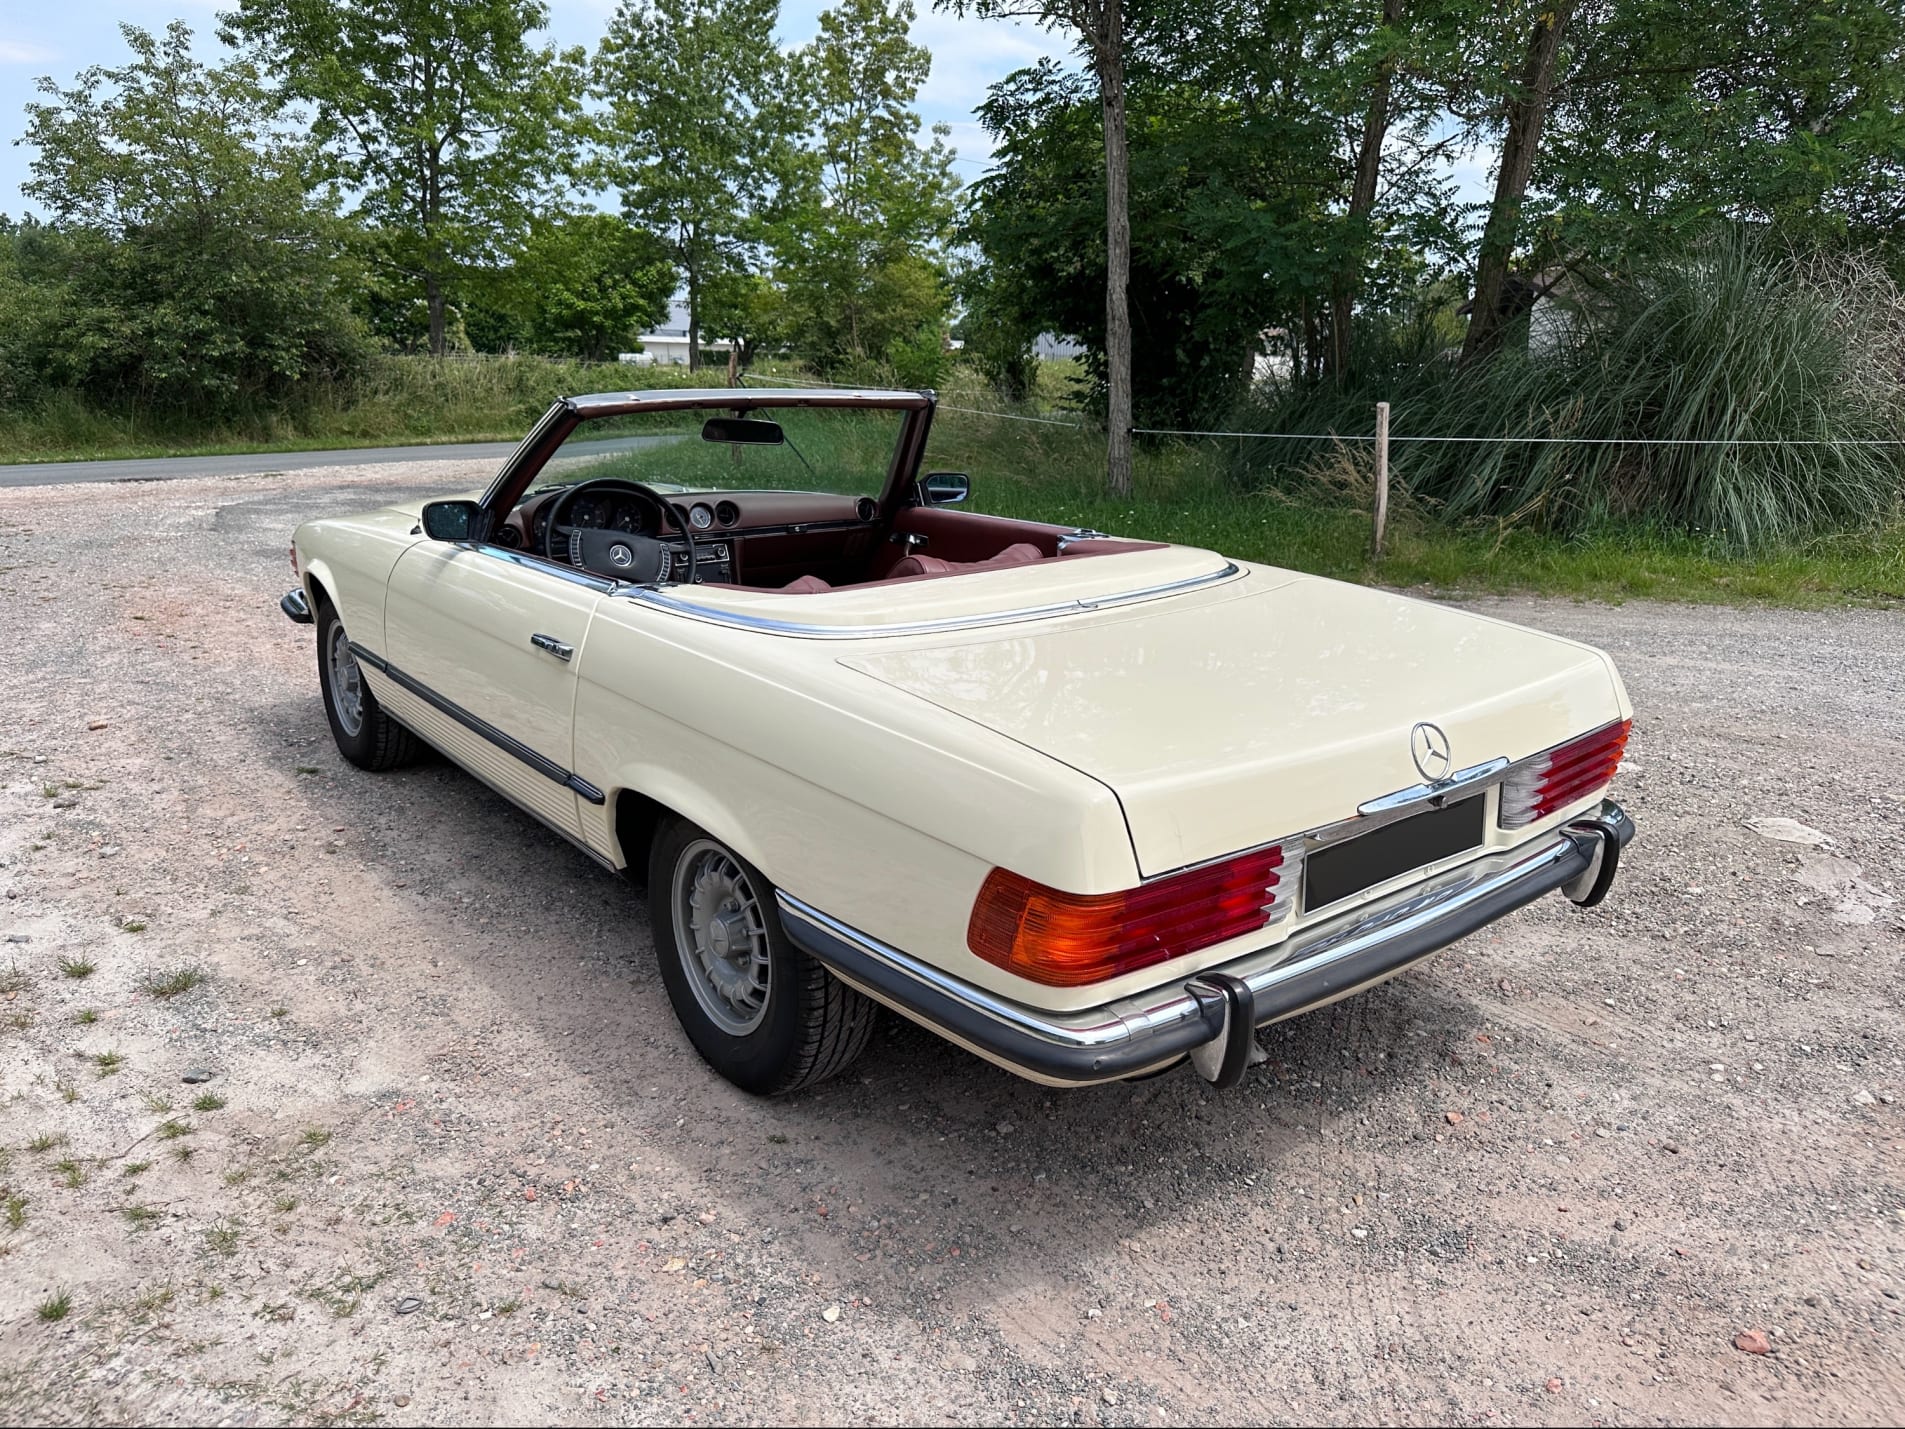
{"x": 1086, "y": 806}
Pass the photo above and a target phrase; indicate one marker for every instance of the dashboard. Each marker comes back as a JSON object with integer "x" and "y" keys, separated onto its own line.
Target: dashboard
{"x": 748, "y": 537}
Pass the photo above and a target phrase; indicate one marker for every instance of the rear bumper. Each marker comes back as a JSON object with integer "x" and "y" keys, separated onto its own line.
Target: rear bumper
{"x": 1212, "y": 1015}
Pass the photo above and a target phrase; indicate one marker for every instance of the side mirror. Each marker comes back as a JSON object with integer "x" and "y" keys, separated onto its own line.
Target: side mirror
{"x": 945, "y": 488}
{"x": 455, "y": 521}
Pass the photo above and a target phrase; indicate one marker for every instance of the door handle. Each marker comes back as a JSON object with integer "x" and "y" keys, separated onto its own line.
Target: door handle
{"x": 553, "y": 646}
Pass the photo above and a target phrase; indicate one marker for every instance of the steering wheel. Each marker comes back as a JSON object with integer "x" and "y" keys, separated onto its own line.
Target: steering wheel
{"x": 619, "y": 555}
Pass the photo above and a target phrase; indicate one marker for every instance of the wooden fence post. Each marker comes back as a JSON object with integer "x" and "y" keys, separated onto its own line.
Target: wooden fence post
{"x": 1382, "y": 479}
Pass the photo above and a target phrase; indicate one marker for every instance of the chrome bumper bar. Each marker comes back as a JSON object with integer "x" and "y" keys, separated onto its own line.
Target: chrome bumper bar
{"x": 1215, "y": 1012}
{"x": 296, "y": 607}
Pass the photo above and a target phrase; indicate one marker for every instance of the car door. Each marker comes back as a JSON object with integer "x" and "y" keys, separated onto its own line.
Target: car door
{"x": 490, "y": 643}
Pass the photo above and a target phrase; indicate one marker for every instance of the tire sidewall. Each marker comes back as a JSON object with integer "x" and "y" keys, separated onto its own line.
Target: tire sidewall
{"x": 359, "y": 748}
{"x": 760, "y": 1060}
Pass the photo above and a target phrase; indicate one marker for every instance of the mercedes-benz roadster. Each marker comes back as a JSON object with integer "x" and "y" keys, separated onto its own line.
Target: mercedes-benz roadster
{"x": 1084, "y": 805}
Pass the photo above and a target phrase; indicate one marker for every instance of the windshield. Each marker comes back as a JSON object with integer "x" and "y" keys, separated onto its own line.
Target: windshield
{"x": 842, "y": 451}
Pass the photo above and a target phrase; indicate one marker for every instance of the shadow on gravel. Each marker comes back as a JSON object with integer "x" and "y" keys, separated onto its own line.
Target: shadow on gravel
{"x": 1002, "y": 1158}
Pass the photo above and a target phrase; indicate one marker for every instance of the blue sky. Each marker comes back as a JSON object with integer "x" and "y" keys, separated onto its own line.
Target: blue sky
{"x": 60, "y": 40}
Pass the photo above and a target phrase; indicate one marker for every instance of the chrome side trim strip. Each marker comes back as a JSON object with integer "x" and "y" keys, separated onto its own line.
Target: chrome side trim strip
{"x": 1150, "y": 1013}
{"x": 602, "y": 585}
{"x": 509, "y": 744}
{"x": 1433, "y": 790}
{"x": 763, "y": 625}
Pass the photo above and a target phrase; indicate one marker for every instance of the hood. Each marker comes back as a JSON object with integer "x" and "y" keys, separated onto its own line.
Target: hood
{"x": 1266, "y": 709}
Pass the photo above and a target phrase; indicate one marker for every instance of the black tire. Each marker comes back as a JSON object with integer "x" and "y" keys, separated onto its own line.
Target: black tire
{"x": 809, "y": 1024}
{"x": 378, "y": 742}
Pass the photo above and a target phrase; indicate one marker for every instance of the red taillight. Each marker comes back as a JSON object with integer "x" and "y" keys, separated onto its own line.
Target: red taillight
{"x": 1563, "y": 775}
{"x": 294, "y": 561}
{"x": 1068, "y": 939}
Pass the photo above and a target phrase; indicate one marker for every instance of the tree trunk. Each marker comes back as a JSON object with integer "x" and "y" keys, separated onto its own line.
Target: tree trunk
{"x": 433, "y": 298}
{"x": 1362, "y": 198}
{"x": 1527, "y": 112}
{"x": 1109, "y": 48}
{"x": 694, "y": 320}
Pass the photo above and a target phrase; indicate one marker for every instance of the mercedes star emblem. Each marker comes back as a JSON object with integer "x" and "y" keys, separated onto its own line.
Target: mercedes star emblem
{"x": 1431, "y": 750}
{"x": 623, "y": 558}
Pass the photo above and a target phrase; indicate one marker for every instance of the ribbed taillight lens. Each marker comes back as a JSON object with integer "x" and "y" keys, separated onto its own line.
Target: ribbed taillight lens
{"x": 1069, "y": 939}
{"x": 1563, "y": 775}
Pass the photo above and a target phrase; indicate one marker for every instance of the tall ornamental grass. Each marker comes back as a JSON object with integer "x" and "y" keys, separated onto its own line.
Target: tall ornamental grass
{"x": 1798, "y": 366}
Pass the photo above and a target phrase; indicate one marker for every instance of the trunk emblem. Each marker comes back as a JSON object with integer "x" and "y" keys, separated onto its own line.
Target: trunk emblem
{"x": 1430, "y": 748}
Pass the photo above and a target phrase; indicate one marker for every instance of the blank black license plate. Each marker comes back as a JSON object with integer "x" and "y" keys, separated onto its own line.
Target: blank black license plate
{"x": 1333, "y": 874}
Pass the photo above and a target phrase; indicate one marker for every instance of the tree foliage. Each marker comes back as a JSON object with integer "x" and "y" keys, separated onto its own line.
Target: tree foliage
{"x": 867, "y": 207}
{"x": 695, "y": 128}
{"x": 451, "y": 128}
{"x": 191, "y": 261}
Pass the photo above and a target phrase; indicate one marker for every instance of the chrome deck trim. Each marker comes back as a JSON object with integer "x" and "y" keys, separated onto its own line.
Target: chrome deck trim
{"x": 763, "y": 625}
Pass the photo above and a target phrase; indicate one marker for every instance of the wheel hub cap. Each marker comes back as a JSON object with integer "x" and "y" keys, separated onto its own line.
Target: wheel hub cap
{"x": 721, "y": 938}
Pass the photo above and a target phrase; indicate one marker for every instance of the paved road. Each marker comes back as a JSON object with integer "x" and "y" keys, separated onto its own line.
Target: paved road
{"x": 171, "y": 468}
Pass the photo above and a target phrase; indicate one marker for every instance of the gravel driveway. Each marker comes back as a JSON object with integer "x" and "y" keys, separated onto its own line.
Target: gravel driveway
{"x": 455, "y": 1162}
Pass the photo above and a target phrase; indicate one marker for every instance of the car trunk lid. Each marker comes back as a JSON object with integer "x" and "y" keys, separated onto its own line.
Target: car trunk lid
{"x": 1235, "y": 716}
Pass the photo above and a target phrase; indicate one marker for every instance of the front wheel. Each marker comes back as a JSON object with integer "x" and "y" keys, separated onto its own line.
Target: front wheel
{"x": 365, "y": 735}
{"x": 759, "y": 1010}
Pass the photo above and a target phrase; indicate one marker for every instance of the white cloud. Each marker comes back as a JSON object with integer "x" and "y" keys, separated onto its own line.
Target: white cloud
{"x": 18, "y": 52}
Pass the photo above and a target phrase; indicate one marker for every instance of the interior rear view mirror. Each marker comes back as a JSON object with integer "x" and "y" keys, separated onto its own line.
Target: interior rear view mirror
{"x": 454, "y": 521}
{"x": 743, "y": 431}
{"x": 945, "y": 488}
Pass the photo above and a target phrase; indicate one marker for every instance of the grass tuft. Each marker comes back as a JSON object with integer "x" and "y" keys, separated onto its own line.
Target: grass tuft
{"x": 77, "y": 968}
{"x": 208, "y": 1101}
{"x": 53, "y": 1309}
{"x": 86, "y": 1016}
{"x": 174, "y": 983}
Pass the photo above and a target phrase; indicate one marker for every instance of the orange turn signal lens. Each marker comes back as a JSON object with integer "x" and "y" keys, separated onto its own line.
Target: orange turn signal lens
{"x": 1070, "y": 939}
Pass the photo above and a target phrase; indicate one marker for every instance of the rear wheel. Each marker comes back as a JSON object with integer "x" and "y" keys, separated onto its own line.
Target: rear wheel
{"x": 759, "y": 1010}
{"x": 365, "y": 735}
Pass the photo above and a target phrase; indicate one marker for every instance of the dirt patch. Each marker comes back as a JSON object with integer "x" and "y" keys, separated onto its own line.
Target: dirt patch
{"x": 454, "y": 1160}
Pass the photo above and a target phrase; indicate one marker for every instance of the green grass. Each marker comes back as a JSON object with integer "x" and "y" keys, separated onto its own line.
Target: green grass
{"x": 108, "y": 1062}
{"x": 174, "y": 983}
{"x": 208, "y": 1101}
{"x": 399, "y": 401}
{"x": 1309, "y": 513}
{"x": 16, "y": 1211}
{"x": 53, "y": 1309}
{"x": 1185, "y": 493}
{"x": 77, "y": 967}
{"x": 46, "y": 1141}
{"x": 72, "y": 1174}
{"x": 86, "y": 1016}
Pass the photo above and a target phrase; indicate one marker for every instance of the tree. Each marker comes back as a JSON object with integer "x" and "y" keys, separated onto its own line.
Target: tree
{"x": 1525, "y": 112}
{"x": 1099, "y": 28}
{"x": 188, "y": 262}
{"x": 1766, "y": 112}
{"x": 587, "y": 285}
{"x": 1228, "y": 233}
{"x": 694, "y": 131}
{"x": 448, "y": 124}
{"x": 869, "y": 207}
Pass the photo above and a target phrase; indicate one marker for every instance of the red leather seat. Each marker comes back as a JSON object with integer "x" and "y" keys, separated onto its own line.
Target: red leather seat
{"x": 915, "y": 565}
{"x": 805, "y": 585}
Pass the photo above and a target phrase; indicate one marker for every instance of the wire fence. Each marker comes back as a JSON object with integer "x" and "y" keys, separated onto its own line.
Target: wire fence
{"x": 1390, "y": 438}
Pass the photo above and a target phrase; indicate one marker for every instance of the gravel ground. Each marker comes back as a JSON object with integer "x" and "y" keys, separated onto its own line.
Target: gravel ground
{"x": 455, "y": 1162}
